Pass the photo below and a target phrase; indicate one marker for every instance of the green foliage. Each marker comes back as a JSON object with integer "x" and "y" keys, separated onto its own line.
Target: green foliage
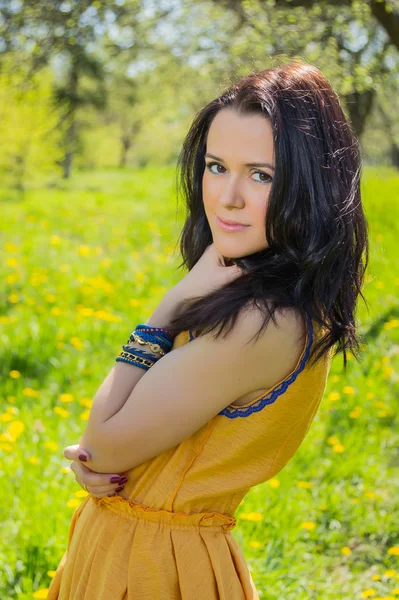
{"x": 93, "y": 258}
{"x": 30, "y": 133}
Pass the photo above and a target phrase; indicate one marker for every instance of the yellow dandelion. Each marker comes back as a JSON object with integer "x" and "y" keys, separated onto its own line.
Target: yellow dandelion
{"x": 12, "y": 278}
{"x": 64, "y": 470}
{"x": 376, "y": 577}
{"x": 61, "y": 411}
{"x": 6, "y": 447}
{"x": 368, "y": 593}
{"x": 369, "y": 494}
{"x": 391, "y": 324}
{"x": 12, "y": 262}
{"x": 304, "y": 484}
{"x": 355, "y": 414}
{"x": 66, "y": 398}
{"x": 323, "y": 507}
{"x": 81, "y": 494}
{"x": 6, "y": 417}
{"x": 394, "y": 551}
{"x": 333, "y": 396}
{"x": 348, "y": 389}
{"x": 13, "y": 410}
{"x": 308, "y": 525}
{"x": 85, "y": 415}
{"x": 390, "y": 573}
{"x": 14, "y": 374}
{"x": 87, "y": 402}
{"x": 338, "y": 448}
{"x": 15, "y": 429}
{"x": 13, "y": 298}
{"x": 346, "y": 550}
{"x": 76, "y": 343}
{"x": 255, "y": 544}
{"x": 106, "y": 262}
{"x": 56, "y": 311}
{"x": 135, "y": 302}
{"x": 31, "y": 393}
{"x": 51, "y": 445}
{"x": 274, "y": 483}
{"x": 253, "y": 516}
{"x": 73, "y": 502}
{"x": 86, "y": 312}
{"x": 51, "y": 573}
{"x": 10, "y": 247}
{"x": 41, "y": 593}
{"x": 83, "y": 250}
{"x": 387, "y": 372}
{"x": 55, "y": 240}
{"x": 395, "y": 591}
{"x": 34, "y": 460}
{"x": 333, "y": 440}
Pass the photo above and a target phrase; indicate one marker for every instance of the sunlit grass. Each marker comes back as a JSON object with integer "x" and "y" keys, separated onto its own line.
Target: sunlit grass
{"x": 84, "y": 263}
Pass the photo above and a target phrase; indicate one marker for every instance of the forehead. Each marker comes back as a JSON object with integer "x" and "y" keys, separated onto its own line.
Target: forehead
{"x": 247, "y": 137}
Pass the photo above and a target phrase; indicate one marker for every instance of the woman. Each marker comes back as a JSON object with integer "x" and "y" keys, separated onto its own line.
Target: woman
{"x": 219, "y": 414}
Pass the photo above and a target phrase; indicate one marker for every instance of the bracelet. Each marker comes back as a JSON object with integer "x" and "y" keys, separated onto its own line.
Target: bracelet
{"x": 159, "y": 340}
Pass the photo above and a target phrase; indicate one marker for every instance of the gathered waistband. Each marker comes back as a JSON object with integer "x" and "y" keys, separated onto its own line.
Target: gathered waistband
{"x": 132, "y": 509}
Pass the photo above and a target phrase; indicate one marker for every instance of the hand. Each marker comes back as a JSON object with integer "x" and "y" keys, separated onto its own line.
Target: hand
{"x": 208, "y": 274}
{"x": 98, "y": 484}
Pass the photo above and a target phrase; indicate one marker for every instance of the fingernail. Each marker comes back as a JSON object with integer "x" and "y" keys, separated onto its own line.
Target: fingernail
{"x": 118, "y": 489}
{"x": 83, "y": 457}
{"x": 115, "y": 480}
{"x": 123, "y": 480}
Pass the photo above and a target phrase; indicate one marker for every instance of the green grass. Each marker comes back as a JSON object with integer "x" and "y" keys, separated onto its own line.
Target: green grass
{"x": 83, "y": 263}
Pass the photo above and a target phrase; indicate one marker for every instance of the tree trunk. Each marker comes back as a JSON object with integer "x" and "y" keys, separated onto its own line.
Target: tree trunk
{"x": 72, "y": 129}
{"x": 359, "y": 106}
{"x": 126, "y": 141}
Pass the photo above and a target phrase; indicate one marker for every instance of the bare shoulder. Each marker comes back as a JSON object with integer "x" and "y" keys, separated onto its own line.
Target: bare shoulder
{"x": 277, "y": 350}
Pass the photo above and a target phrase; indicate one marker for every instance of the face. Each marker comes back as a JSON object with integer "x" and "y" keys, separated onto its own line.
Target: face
{"x": 231, "y": 188}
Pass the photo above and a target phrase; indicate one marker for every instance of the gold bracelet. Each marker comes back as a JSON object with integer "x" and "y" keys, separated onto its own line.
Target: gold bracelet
{"x": 154, "y": 347}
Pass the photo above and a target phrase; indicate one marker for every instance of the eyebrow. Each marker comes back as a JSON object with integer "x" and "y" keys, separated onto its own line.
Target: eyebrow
{"x": 246, "y": 165}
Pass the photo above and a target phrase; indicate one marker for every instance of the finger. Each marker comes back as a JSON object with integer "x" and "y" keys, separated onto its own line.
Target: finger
{"x": 92, "y": 478}
{"x": 76, "y": 452}
{"x": 102, "y": 490}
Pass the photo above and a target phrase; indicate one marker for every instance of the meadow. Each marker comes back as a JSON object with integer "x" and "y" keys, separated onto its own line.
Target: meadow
{"x": 83, "y": 262}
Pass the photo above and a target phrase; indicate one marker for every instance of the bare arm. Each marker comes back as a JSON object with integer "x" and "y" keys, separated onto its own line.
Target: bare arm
{"x": 122, "y": 379}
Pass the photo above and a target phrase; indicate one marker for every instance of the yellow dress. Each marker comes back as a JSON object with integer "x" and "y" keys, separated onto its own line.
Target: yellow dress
{"x": 169, "y": 536}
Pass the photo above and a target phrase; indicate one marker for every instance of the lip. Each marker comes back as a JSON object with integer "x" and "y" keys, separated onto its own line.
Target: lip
{"x": 229, "y": 226}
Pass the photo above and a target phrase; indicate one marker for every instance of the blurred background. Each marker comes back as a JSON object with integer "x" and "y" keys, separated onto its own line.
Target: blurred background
{"x": 95, "y": 100}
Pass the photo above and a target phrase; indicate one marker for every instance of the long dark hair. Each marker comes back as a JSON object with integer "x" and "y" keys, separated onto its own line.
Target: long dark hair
{"x": 315, "y": 225}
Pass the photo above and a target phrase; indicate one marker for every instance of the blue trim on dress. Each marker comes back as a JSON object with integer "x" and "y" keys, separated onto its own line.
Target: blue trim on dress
{"x": 232, "y": 412}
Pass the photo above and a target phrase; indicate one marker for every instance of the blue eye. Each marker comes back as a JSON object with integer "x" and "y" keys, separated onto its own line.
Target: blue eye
{"x": 211, "y": 164}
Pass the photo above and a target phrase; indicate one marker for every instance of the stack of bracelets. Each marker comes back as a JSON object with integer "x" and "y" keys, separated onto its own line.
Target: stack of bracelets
{"x": 158, "y": 339}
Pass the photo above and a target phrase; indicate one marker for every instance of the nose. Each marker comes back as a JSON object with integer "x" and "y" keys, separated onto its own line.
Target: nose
{"x": 231, "y": 193}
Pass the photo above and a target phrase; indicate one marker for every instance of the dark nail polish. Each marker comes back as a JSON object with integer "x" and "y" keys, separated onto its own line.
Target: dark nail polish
{"x": 118, "y": 489}
{"x": 82, "y": 457}
{"x": 123, "y": 480}
{"x": 115, "y": 480}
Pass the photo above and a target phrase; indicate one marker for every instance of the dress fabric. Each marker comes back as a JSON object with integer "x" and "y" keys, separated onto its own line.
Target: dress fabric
{"x": 168, "y": 534}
